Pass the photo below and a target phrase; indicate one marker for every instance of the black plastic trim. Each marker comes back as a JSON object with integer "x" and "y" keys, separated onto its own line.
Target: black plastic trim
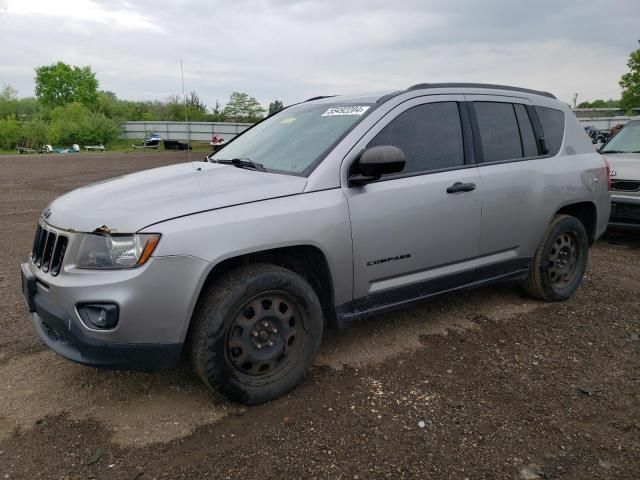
{"x": 543, "y": 150}
{"x": 467, "y": 134}
{"x": 401, "y": 297}
{"x": 319, "y": 97}
{"x": 425, "y": 86}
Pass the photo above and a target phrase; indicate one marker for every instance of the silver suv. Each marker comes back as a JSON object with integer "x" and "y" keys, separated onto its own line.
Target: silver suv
{"x": 329, "y": 211}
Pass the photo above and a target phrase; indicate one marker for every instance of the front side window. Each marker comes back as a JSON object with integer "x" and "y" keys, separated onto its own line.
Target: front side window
{"x": 499, "y": 133}
{"x": 430, "y": 136}
{"x": 626, "y": 140}
{"x": 293, "y": 140}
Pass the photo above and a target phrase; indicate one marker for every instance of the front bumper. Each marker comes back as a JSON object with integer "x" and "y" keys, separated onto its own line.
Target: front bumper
{"x": 625, "y": 211}
{"x": 155, "y": 303}
{"x": 55, "y": 329}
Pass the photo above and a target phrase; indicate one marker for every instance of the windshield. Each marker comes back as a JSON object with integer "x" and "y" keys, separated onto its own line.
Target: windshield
{"x": 626, "y": 140}
{"x": 294, "y": 139}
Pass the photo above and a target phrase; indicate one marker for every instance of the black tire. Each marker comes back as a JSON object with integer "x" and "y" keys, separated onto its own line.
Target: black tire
{"x": 230, "y": 345}
{"x": 560, "y": 261}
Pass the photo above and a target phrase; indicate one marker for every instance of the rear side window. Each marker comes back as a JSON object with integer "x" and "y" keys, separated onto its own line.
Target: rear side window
{"x": 552, "y": 121}
{"x": 499, "y": 133}
{"x": 529, "y": 145}
{"x": 430, "y": 136}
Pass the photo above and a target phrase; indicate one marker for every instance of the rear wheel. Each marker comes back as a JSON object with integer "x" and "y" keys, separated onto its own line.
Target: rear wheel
{"x": 256, "y": 332}
{"x": 560, "y": 261}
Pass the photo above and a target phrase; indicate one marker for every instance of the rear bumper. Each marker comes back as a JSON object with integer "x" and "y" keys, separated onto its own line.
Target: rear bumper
{"x": 57, "y": 330}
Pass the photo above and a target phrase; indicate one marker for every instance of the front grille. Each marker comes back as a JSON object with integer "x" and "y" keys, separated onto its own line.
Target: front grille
{"x": 625, "y": 185}
{"x": 48, "y": 250}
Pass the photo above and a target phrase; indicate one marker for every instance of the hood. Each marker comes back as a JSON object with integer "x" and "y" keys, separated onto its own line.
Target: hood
{"x": 626, "y": 165}
{"x": 127, "y": 204}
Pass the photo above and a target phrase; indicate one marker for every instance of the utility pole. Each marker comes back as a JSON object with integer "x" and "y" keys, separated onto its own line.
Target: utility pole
{"x": 575, "y": 101}
{"x": 186, "y": 120}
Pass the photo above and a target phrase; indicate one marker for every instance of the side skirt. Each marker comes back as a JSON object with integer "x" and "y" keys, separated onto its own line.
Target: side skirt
{"x": 414, "y": 294}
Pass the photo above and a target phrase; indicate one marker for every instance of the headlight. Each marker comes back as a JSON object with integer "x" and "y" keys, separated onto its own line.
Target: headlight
{"x": 116, "y": 251}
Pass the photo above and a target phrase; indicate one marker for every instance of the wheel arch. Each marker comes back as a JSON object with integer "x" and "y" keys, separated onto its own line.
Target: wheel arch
{"x": 308, "y": 261}
{"x": 586, "y": 212}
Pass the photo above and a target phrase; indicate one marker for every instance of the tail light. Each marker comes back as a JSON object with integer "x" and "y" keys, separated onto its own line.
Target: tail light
{"x": 606, "y": 162}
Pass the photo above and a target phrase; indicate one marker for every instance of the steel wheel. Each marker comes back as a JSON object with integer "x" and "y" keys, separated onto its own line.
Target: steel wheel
{"x": 266, "y": 334}
{"x": 563, "y": 259}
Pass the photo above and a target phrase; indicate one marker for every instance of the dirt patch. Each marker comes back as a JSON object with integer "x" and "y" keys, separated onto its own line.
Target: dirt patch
{"x": 139, "y": 408}
{"x": 378, "y": 339}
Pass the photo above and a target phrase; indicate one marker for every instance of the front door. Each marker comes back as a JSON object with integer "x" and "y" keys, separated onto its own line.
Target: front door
{"x": 417, "y": 232}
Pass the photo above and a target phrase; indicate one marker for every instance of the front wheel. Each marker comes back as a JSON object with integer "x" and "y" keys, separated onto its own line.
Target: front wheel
{"x": 257, "y": 331}
{"x": 560, "y": 261}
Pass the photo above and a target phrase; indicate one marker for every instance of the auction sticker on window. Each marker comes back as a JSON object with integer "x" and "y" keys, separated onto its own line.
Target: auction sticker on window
{"x": 347, "y": 110}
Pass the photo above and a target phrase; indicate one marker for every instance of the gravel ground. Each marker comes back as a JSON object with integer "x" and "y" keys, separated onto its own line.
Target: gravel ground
{"x": 484, "y": 384}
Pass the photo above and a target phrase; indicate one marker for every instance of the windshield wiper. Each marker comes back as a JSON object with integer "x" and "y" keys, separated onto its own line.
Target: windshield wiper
{"x": 242, "y": 163}
{"x": 620, "y": 151}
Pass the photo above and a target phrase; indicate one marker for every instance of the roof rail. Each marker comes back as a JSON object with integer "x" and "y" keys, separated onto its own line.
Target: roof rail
{"x": 421, "y": 86}
{"x": 320, "y": 97}
{"x": 388, "y": 96}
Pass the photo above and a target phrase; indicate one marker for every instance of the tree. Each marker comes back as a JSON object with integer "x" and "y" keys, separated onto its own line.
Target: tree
{"x": 630, "y": 82}
{"x": 8, "y": 93}
{"x": 243, "y": 108}
{"x": 599, "y": 103}
{"x": 275, "y": 107}
{"x": 59, "y": 84}
{"x": 8, "y": 101}
{"x": 194, "y": 103}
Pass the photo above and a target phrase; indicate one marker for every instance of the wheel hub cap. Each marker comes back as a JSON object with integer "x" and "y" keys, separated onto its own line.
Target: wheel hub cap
{"x": 563, "y": 259}
{"x": 265, "y": 334}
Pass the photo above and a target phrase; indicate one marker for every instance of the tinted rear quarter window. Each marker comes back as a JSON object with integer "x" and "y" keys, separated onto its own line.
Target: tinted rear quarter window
{"x": 552, "y": 121}
{"x": 430, "y": 136}
{"x": 499, "y": 133}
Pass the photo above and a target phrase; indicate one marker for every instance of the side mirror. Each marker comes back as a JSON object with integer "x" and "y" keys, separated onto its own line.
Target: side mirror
{"x": 377, "y": 161}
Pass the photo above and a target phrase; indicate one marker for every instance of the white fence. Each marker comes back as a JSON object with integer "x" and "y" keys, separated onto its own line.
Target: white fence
{"x": 604, "y": 123}
{"x": 185, "y": 131}
{"x": 203, "y": 131}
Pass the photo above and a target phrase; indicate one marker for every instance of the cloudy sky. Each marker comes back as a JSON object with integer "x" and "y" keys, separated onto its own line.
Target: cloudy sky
{"x": 291, "y": 50}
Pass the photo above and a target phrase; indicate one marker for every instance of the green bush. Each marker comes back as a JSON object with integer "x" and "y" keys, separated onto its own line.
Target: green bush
{"x": 97, "y": 128}
{"x": 75, "y": 123}
{"x": 34, "y": 132}
{"x": 10, "y": 133}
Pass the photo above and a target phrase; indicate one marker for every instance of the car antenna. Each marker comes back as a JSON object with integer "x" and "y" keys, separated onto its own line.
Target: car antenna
{"x": 186, "y": 121}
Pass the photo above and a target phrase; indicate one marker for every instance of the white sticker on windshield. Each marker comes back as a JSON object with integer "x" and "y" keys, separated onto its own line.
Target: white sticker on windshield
{"x": 351, "y": 110}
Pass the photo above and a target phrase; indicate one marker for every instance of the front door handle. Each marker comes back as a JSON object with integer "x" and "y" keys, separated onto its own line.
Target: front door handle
{"x": 461, "y": 187}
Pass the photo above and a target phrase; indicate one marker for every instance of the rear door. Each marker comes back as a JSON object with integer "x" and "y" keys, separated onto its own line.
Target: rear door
{"x": 517, "y": 180}
{"x": 408, "y": 232}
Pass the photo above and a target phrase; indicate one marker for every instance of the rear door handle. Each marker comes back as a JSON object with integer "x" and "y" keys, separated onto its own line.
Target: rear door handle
{"x": 461, "y": 187}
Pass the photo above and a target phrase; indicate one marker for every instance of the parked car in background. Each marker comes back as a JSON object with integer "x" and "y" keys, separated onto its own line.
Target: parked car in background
{"x": 597, "y": 135}
{"x": 216, "y": 142}
{"x": 328, "y": 211}
{"x": 623, "y": 155}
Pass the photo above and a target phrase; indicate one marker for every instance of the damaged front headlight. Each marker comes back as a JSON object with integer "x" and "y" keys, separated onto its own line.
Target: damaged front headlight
{"x": 116, "y": 251}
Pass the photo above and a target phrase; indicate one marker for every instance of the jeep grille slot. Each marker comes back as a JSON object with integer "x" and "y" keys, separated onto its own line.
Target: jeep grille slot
{"x": 58, "y": 254}
{"x": 48, "y": 250}
{"x": 41, "y": 238}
